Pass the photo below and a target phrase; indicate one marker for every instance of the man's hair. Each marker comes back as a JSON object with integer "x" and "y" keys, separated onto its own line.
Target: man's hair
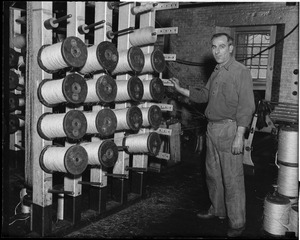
{"x": 229, "y": 38}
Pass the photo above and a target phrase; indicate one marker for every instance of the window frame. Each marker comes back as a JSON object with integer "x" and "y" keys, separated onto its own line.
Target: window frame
{"x": 271, "y": 52}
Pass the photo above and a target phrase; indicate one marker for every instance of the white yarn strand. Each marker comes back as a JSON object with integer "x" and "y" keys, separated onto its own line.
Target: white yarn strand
{"x": 92, "y": 149}
{"x": 19, "y": 41}
{"x": 21, "y": 123}
{"x": 21, "y": 102}
{"x": 51, "y": 57}
{"x": 147, "y": 93}
{"x": 145, "y": 114}
{"x": 92, "y": 63}
{"x": 121, "y": 115}
{"x": 288, "y": 181}
{"x": 143, "y": 36}
{"x": 123, "y": 65}
{"x": 142, "y": 8}
{"x": 52, "y": 125}
{"x": 148, "y": 64}
{"x": 294, "y": 220}
{"x": 51, "y": 91}
{"x": 122, "y": 93}
{"x": 91, "y": 122}
{"x": 21, "y": 80}
{"x": 91, "y": 91}
{"x": 53, "y": 159}
{"x": 137, "y": 143}
{"x": 276, "y": 217}
{"x": 288, "y": 146}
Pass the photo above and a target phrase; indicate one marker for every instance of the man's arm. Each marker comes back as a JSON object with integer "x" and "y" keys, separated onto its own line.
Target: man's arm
{"x": 195, "y": 94}
{"x": 183, "y": 91}
{"x": 238, "y": 142}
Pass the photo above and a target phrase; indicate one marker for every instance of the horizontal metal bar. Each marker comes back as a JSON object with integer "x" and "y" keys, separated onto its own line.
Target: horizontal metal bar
{"x": 163, "y": 31}
{"x": 165, "y": 6}
{"x": 115, "y": 175}
{"x": 162, "y": 155}
{"x": 60, "y": 191}
{"x": 136, "y": 169}
{"x": 170, "y": 57}
{"x": 164, "y": 131}
{"x": 90, "y": 183}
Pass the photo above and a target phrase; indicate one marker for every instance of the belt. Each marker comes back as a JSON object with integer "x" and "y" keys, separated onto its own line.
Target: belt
{"x": 221, "y": 121}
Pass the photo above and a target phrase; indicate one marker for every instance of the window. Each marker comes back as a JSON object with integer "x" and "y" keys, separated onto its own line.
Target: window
{"x": 251, "y": 41}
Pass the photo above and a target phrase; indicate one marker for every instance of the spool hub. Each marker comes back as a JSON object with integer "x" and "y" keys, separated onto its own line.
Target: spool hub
{"x": 134, "y": 118}
{"x": 135, "y": 89}
{"x": 106, "y": 122}
{"x": 108, "y": 154}
{"x": 106, "y": 89}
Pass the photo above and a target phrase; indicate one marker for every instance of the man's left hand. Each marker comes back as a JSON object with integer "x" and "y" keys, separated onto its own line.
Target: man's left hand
{"x": 237, "y": 145}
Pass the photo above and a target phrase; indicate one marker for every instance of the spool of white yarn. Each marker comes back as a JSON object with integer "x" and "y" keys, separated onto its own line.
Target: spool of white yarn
{"x": 104, "y": 153}
{"x": 71, "y": 159}
{"x": 103, "y": 56}
{"x": 287, "y": 181}
{"x": 288, "y": 145}
{"x": 276, "y": 214}
{"x": 104, "y": 90}
{"x": 102, "y": 122}
{"x": 128, "y": 118}
{"x": 294, "y": 219}
{"x": 147, "y": 143}
{"x": 131, "y": 60}
{"x": 19, "y": 41}
{"x": 71, "y": 89}
{"x": 72, "y": 124}
{"x": 71, "y": 52}
{"x": 143, "y": 36}
{"x": 143, "y": 8}
{"x": 152, "y": 116}
{"x": 153, "y": 89}
{"x": 131, "y": 89}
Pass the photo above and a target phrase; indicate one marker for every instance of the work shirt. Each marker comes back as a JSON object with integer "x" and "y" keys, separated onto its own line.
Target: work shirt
{"x": 229, "y": 93}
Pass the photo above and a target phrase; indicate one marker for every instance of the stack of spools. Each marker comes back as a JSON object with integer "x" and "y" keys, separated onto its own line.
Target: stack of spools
{"x": 281, "y": 208}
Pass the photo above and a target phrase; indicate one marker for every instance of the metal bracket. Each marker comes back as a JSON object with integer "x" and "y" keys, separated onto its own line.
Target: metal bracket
{"x": 163, "y": 31}
{"x": 170, "y": 57}
{"x": 164, "y": 131}
{"x": 162, "y": 155}
{"x": 165, "y": 6}
{"x": 165, "y": 107}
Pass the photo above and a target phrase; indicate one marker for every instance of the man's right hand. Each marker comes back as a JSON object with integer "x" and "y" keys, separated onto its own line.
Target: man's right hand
{"x": 175, "y": 81}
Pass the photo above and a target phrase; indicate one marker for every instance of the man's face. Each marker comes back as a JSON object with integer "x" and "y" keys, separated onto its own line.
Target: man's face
{"x": 221, "y": 49}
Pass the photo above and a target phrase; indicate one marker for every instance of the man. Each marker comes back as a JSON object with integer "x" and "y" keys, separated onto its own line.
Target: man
{"x": 229, "y": 93}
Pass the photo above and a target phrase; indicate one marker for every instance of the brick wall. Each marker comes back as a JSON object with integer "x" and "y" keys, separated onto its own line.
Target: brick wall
{"x": 196, "y": 25}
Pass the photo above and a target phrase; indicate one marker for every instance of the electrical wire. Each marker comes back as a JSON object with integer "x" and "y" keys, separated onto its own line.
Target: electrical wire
{"x": 19, "y": 219}
{"x": 180, "y": 61}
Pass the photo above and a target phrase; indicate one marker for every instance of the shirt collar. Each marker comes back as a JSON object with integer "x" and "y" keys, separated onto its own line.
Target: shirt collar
{"x": 226, "y": 66}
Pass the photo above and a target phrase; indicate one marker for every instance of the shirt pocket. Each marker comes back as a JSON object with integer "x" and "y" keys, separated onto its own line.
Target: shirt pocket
{"x": 229, "y": 93}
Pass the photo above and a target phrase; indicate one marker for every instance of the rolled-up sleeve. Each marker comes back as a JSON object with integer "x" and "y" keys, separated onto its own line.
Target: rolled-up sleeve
{"x": 246, "y": 104}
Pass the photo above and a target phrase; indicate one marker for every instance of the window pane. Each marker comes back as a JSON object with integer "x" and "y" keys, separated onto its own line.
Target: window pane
{"x": 254, "y": 73}
{"x": 255, "y": 61}
{"x": 249, "y": 44}
{"x": 262, "y": 73}
{"x": 256, "y": 50}
{"x": 264, "y": 61}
